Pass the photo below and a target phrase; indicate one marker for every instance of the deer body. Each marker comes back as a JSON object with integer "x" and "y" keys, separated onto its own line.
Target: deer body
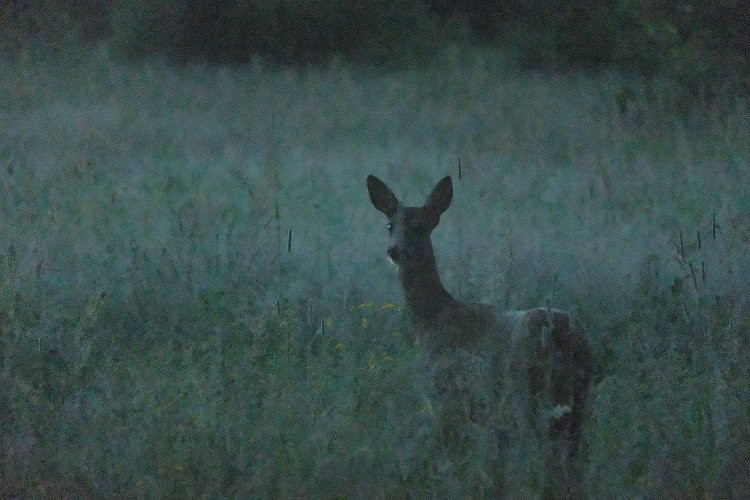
{"x": 535, "y": 351}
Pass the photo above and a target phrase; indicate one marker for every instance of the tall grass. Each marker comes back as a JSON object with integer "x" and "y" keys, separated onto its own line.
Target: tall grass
{"x": 155, "y": 340}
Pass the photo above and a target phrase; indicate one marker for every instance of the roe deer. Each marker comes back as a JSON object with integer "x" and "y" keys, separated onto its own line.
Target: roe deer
{"x": 556, "y": 365}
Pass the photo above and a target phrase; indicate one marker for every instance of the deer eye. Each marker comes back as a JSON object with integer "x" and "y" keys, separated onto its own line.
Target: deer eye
{"x": 390, "y": 227}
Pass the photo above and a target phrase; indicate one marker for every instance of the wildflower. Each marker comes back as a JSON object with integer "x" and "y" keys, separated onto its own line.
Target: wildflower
{"x": 388, "y": 306}
{"x": 283, "y": 322}
{"x": 372, "y": 361}
{"x": 559, "y": 411}
{"x": 234, "y": 374}
{"x": 329, "y": 322}
{"x": 339, "y": 345}
{"x": 365, "y": 322}
{"x": 387, "y": 357}
{"x": 366, "y": 305}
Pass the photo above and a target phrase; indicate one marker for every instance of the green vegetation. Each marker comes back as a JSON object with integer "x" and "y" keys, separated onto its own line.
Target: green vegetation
{"x": 194, "y": 297}
{"x": 704, "y": 45}
{"x": 288, "y": 30}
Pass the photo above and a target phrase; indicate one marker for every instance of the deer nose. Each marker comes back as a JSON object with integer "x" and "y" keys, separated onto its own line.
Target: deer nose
{"x": 393, "y": 253}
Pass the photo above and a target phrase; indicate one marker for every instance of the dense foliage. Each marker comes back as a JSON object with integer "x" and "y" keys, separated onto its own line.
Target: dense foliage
{"x": 51, "y": 24}
{"x": 700, "y": 42}
{"x": 624, "y": 33}
{"x": 286, "y": 30}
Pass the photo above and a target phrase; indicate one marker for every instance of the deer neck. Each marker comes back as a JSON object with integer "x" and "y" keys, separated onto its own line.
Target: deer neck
{"x": 425, "y": 294}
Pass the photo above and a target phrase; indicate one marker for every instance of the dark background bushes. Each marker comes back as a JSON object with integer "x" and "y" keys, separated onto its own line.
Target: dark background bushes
{"x": 630, "y": 33}
{"x": 51, "y": 24}
{"x": 705, "y": 41}
{"x": 284, "y": 30}
{"x": 702, "y": 39}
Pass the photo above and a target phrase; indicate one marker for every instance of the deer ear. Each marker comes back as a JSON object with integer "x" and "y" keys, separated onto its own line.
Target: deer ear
{"x": 381, "y": 196}
{"x": 441, "y": 196}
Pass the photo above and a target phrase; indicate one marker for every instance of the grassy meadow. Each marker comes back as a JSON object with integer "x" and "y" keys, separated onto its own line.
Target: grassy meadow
{"x": 195, "y": 299}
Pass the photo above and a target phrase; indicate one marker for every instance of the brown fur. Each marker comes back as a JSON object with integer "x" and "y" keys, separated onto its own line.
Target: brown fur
{"x": 538, "y": 351}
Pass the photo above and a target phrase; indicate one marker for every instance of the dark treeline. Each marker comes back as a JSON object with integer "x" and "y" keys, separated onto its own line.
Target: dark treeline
{"x": 707, "y": 39}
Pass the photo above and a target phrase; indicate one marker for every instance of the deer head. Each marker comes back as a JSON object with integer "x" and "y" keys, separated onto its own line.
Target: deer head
{"x": 409, "y": 228}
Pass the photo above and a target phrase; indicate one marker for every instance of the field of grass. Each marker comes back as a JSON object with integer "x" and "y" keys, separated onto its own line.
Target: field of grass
{"x": 195, "y": 299}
